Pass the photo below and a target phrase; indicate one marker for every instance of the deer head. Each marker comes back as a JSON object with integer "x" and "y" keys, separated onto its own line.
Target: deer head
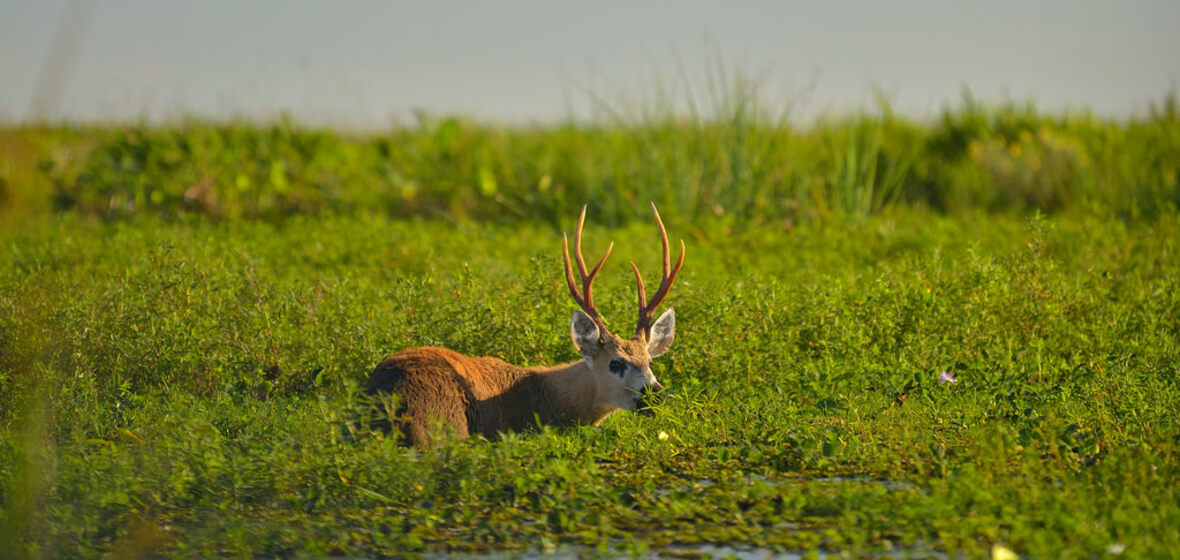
{"x": 622, "y": 367}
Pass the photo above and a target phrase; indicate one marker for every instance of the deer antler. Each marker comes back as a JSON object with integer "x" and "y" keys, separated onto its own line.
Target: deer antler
{"x": 586, "y": 298}
{"x": 647, "y": 309}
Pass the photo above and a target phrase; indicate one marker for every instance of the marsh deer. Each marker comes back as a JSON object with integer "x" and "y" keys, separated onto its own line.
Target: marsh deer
{"x": 464, "y": 395}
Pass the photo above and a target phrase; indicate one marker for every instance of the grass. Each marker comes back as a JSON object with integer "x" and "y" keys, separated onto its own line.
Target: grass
{"x": 186, "y": 314}
{"x": 744, "y": 163}
{"x": 183, "y": 387}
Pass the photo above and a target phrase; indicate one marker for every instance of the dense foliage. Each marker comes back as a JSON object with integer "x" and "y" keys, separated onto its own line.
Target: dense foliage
{"x": 747, "y": 166}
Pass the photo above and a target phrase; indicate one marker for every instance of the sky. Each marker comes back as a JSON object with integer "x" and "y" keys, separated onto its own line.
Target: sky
{"x": 370, "y": 64}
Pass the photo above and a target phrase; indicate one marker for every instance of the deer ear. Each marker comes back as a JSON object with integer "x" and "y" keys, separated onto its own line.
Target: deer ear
{"x": 584, "y": 333}
{"x": 662, "y": 333}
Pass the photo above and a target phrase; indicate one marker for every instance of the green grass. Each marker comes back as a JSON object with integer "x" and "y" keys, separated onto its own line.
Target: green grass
{"x": 187, "y": 312}
{"x": 744, "y": 163}
{"x": 182, "y": 388}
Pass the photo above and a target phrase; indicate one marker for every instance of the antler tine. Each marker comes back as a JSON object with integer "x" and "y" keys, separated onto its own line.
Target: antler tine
{"x": 569, "y": 272}
{"x": 585, "y": 300}
{"x": 578, "y": 242}
{"x": 663, "y": 236}
{"x": 646, "y": 308}
{"x": 639, "y": 289}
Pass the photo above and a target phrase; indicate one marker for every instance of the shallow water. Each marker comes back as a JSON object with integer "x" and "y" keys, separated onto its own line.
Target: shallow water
{"x": 681, "y": 551}
{"x": 571, "y": 552}
{"x": 887, "y": 484}
{"x": 710, "y": 550}
{"x": 890, "y": 485}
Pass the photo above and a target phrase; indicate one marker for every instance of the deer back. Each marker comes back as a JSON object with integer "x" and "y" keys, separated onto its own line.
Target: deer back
{"x": 443, "y": 389}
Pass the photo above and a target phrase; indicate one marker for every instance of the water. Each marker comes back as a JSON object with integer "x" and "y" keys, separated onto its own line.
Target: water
{"x": 710, "y": 550}
{"x": 681, "y": 551}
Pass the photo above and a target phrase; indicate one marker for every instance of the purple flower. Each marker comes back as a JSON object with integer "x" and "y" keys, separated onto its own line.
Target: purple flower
{"x": 946, "y": 377}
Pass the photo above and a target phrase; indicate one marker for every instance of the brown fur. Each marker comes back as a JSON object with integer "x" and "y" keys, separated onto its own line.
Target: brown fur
{"x": 441, "y": 388}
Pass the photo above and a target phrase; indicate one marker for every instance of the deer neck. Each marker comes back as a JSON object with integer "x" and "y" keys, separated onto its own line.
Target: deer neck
{"x": 574, "y": 394}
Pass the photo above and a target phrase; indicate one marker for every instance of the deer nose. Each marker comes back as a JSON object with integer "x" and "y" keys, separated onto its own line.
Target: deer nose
{"x": 652, "y": 394}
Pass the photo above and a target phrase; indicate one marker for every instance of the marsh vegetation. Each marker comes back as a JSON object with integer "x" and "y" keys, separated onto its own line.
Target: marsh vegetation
{"x": 891, "y": 335}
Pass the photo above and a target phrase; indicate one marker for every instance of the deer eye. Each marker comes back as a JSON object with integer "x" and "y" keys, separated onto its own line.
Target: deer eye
{"x": 617, "y": 367}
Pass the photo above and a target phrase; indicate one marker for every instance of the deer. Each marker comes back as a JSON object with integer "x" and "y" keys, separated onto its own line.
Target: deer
{"x": 443, "y": 391}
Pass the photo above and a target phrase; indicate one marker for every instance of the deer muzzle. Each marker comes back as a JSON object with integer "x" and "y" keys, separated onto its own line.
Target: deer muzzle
{"x": 651, "y": 395}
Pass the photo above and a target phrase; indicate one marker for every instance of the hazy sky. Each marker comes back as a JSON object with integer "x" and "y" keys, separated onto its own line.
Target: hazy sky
{"x": 365, "y": 64}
